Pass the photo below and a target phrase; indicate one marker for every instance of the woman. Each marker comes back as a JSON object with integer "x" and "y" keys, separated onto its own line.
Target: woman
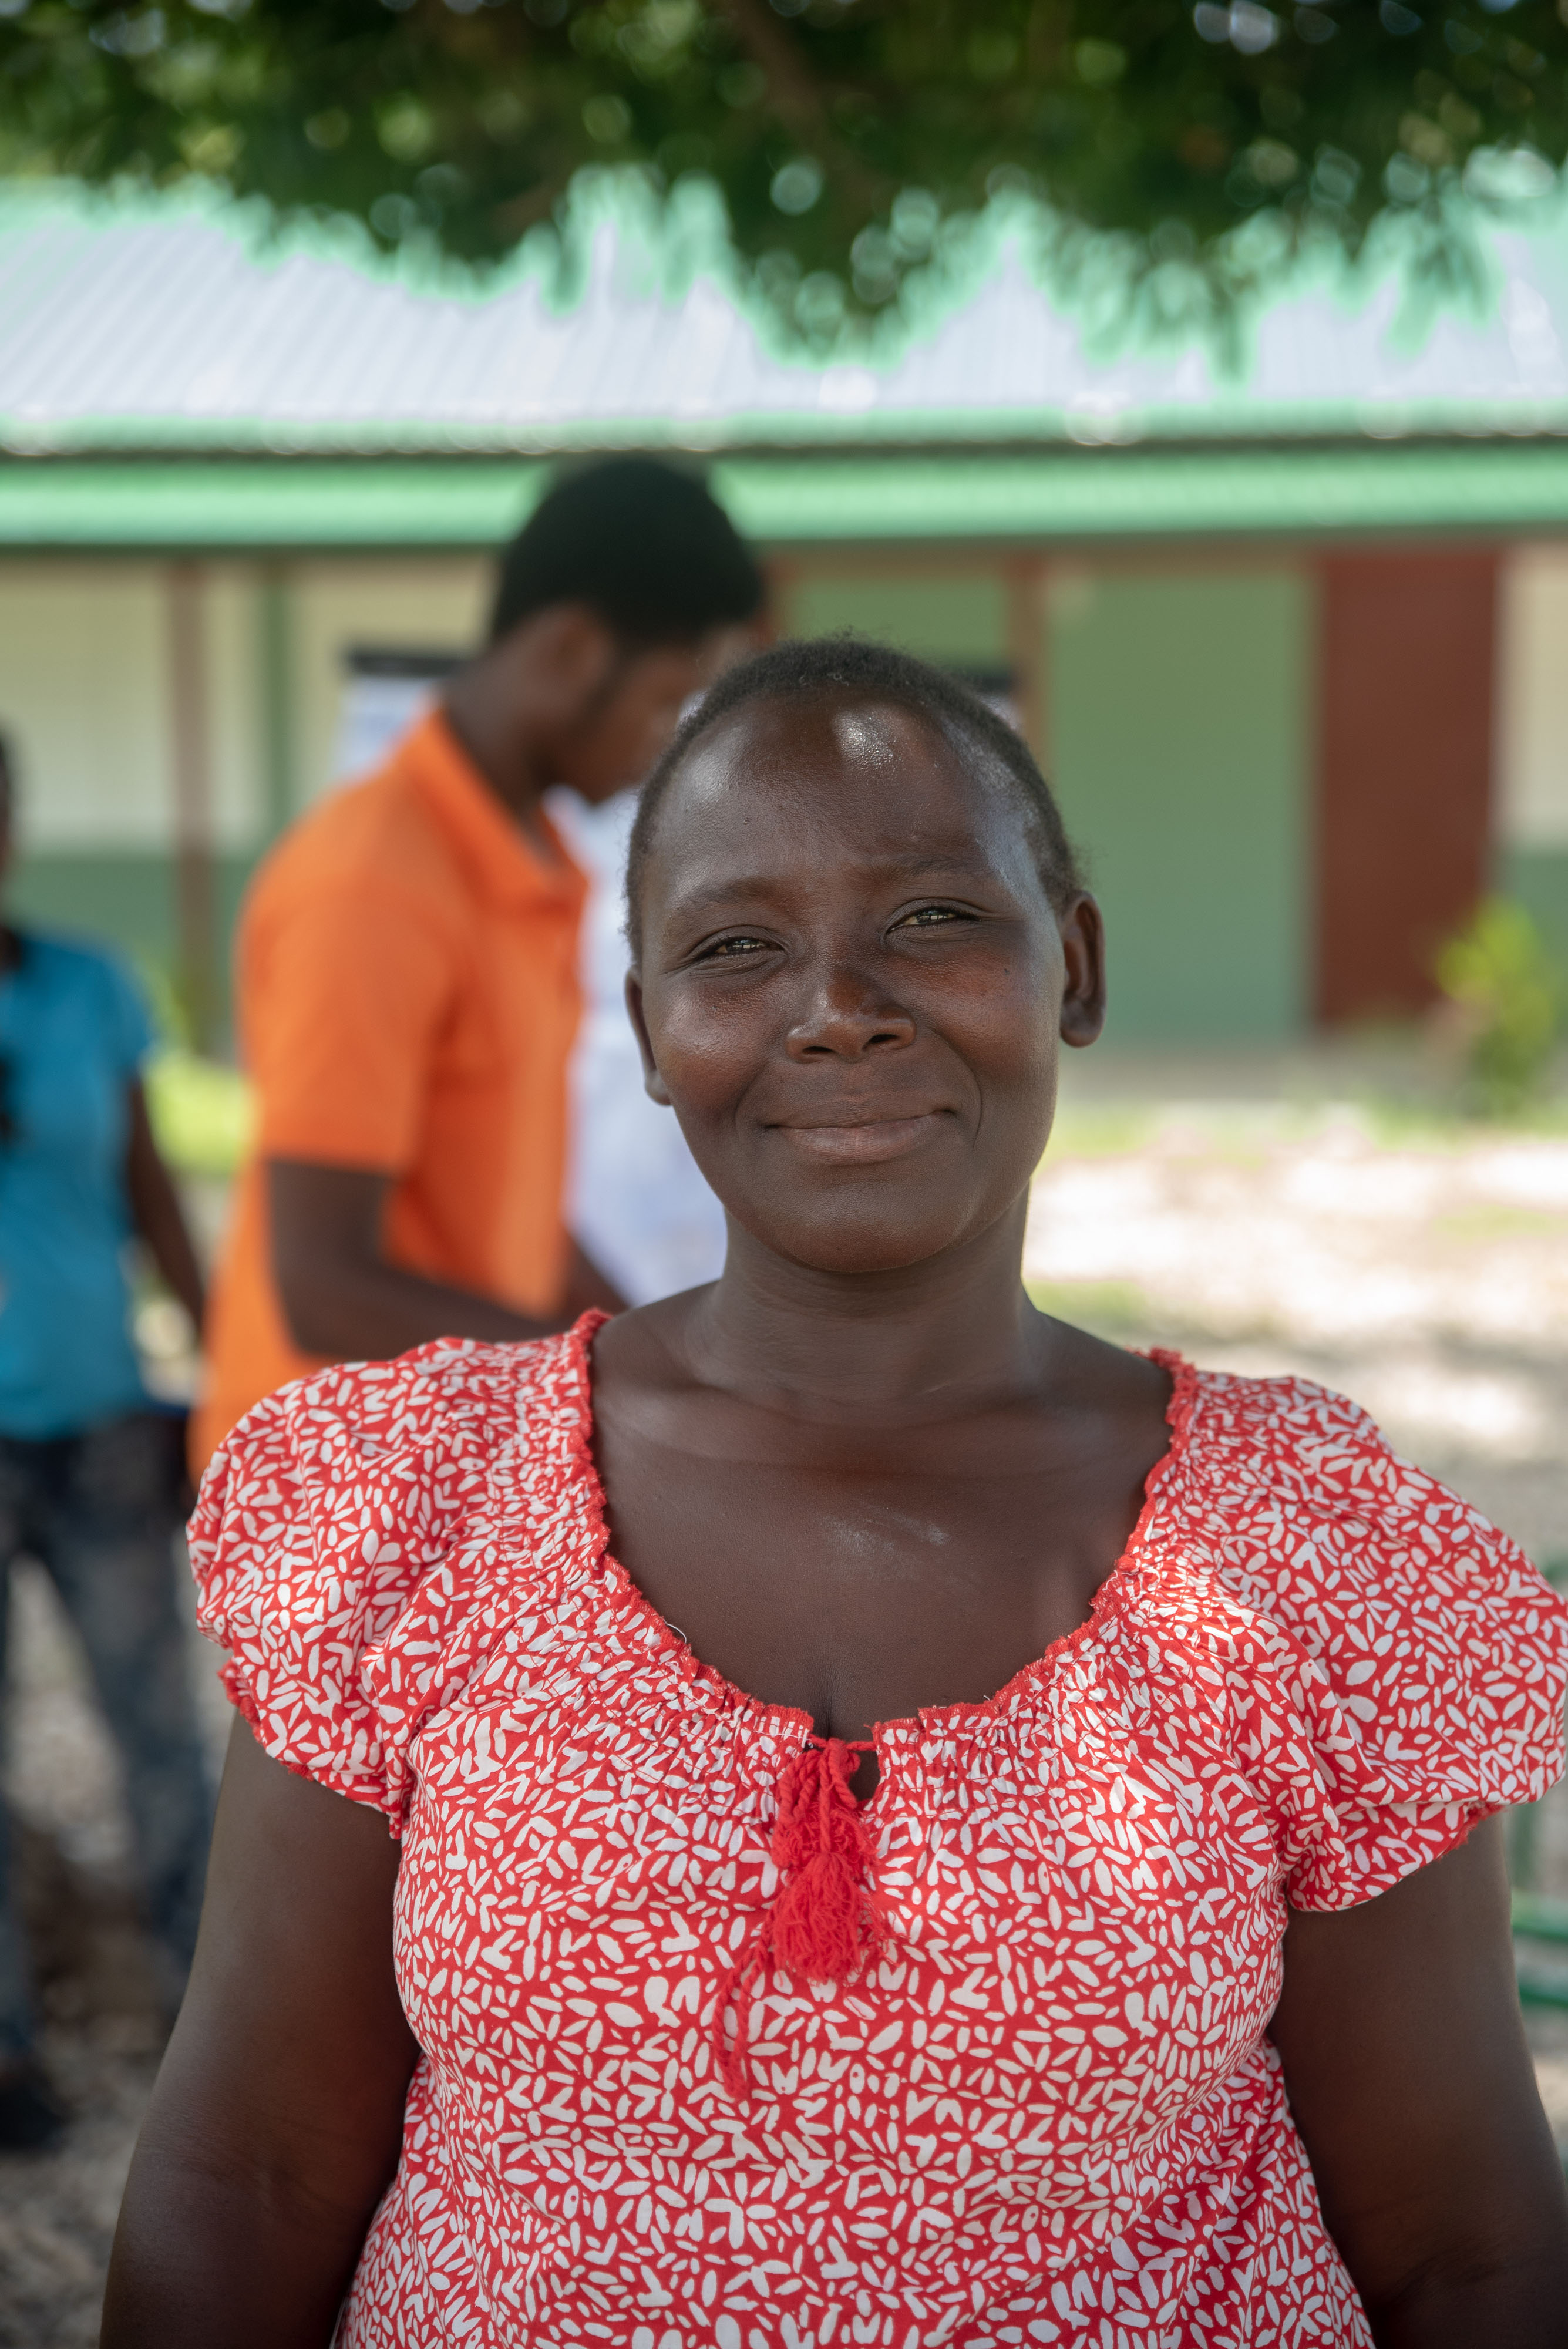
{"x": 1038, "y": 1894}
{"x": 90, "y": 1468}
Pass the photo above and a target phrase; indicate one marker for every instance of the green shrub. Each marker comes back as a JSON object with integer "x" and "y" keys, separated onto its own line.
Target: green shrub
{"x": 201, "y": 1111}
{"x": 1507, "y": 998}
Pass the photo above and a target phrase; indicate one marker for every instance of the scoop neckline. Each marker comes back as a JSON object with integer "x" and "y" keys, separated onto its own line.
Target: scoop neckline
{"x": 675, "y": 1650}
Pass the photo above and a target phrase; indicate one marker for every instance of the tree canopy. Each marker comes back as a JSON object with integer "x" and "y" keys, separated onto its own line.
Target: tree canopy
{"x": 852, "y": 140}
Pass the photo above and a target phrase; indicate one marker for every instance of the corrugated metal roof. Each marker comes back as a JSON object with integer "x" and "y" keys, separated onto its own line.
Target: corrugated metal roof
{"x": 172, "y": 325}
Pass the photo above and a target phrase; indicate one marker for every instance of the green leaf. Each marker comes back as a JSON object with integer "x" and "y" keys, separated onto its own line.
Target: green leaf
{"x": 1203, "y": 146}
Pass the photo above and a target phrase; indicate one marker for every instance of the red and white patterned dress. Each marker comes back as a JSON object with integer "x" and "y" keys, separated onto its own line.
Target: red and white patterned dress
{"x": 1046, "y": 2111}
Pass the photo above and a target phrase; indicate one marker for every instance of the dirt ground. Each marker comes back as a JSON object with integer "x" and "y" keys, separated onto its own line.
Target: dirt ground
{"x": 1261, "y": 1216}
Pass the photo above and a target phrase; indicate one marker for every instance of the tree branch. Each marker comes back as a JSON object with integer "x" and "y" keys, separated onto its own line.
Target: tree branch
{"x": 798, "y": 99}
{"x": 791, "y": 84}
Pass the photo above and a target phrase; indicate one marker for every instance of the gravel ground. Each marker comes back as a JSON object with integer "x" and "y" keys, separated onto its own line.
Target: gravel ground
{"x": 1250, "y": 1213}
{"x": 102, "y": 2027}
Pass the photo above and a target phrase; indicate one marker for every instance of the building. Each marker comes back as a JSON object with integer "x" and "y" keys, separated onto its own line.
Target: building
{"x": 1293, "y": 643}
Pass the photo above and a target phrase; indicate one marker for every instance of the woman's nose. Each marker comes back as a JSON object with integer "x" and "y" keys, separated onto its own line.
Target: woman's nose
{"x": 848, "y": 1016}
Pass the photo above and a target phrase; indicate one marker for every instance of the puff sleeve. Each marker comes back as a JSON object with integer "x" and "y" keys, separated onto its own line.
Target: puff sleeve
{"x": 321, "y": 1520}
{"x": 1428, "y": 1658}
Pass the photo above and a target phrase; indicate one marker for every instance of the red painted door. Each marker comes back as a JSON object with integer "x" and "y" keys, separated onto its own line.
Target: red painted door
{"x": 1405, "y": 664}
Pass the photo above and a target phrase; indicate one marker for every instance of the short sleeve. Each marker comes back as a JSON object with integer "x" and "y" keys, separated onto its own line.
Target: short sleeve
{"x": 127, "y": 1021}
{"x": 1429, "y": 1658}
{"x": 322, "y": 1521}
{"x": 356, "y": 982}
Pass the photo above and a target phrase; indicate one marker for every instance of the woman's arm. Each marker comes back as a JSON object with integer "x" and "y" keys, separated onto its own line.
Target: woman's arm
{"x": 276, "y": 2123}
{"x": 156, "y": 1212}
{"x": 1412, "y": 2086}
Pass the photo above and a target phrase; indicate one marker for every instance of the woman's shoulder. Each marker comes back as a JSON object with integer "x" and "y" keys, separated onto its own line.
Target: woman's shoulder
{"x": 1295, "y": 1490}
{"x": 1394, "y": 1664}
{"x": 61, "y": 963}
{"x": 433, "y": 1419}
{"x": 1289, "y": 1497}
{"x": 360, "y": 1501}
{"x": 1286, "y": 1430}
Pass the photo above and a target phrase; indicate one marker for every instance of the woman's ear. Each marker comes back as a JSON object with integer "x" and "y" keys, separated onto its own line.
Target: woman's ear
{"x": 653, "y": 1084}
{"x": 1083, "y": 932}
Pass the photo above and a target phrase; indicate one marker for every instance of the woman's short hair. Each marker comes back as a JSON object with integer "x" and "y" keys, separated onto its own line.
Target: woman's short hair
{"x": 848, "y": 668}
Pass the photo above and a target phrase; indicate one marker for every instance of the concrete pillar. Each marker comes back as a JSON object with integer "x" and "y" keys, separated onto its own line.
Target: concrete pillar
{"x": 195, "y": 877}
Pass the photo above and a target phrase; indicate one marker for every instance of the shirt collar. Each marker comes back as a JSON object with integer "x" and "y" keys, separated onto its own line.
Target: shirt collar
{"x": 493, "y": 848}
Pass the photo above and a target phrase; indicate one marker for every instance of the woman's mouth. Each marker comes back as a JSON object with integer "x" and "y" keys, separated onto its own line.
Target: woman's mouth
{"x": 863, "y": 1142}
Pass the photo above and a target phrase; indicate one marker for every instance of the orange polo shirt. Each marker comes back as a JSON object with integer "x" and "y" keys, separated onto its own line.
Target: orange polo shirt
{"x": 407, "y": 977}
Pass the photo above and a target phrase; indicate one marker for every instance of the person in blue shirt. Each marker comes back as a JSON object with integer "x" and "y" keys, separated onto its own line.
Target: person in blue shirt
{"x": 90, "y": 1465}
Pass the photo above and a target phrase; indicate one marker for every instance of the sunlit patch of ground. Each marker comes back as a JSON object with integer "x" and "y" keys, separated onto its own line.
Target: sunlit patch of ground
{"x": 1424, "y": 1270}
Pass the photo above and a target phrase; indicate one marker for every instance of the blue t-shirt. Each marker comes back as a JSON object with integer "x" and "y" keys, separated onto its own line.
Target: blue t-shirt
{"x": 73, "y": 1033}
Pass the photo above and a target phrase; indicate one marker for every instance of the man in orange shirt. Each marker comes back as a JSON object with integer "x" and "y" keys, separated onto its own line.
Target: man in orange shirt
{"x": 408, "y": 960}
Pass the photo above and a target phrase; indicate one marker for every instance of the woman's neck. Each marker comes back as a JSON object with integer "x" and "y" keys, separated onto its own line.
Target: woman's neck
{"x": 924, "y": 1342}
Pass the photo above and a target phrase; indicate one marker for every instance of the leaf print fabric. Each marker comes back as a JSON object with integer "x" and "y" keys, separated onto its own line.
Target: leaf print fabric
{"x": 1048, "y": 2111}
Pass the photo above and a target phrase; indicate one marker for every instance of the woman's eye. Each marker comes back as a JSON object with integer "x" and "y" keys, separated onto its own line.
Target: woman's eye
{"x": 730, "y": 948}
{"x": 929, "y": 917}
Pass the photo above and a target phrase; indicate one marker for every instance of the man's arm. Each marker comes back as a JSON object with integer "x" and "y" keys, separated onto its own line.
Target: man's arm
{"x": 1412, "y": 2086}
{"x": 344, "y": 1301}
{"x": 276, "y": 2119}
{"x": 155, "y": 1208}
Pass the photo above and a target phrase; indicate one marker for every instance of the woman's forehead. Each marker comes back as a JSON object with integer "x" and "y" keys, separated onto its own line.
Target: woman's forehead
{"x": 863, "y": 770}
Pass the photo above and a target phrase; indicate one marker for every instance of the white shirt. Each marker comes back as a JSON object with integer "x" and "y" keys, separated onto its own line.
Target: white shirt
{"x": 635, "y": 1198}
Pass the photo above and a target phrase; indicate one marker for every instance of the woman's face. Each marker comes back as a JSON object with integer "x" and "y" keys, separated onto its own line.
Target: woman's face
{"x": 852, "y": 984}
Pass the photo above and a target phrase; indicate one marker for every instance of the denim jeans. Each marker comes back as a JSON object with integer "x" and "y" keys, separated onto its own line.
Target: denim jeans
{"x": 98, "y": 1511}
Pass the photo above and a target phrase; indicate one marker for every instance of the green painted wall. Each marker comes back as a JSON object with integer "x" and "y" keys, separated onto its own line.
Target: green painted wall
{"x": 1538, "y": 878}
{"x": 1181, "y": 745}
{"x": 962, "y": 620}
{"x": 125, "y": 897}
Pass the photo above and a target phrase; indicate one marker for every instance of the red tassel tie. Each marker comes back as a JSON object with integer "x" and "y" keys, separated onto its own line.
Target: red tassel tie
{"x": 825, "y": 1923}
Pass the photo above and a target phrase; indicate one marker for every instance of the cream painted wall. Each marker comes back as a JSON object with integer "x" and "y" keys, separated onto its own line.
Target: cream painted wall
{"x": 433, "y": 605}
{"x": 84, "y": 694}
{"x": 1534, "y": 699}
{"x": 83, "y": 688}
{"x": 85, "y": 684}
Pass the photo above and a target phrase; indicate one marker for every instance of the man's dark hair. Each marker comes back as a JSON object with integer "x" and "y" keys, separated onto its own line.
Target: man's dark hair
{"x": 643, "y": 545}
{"x": 843, "y": 667}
